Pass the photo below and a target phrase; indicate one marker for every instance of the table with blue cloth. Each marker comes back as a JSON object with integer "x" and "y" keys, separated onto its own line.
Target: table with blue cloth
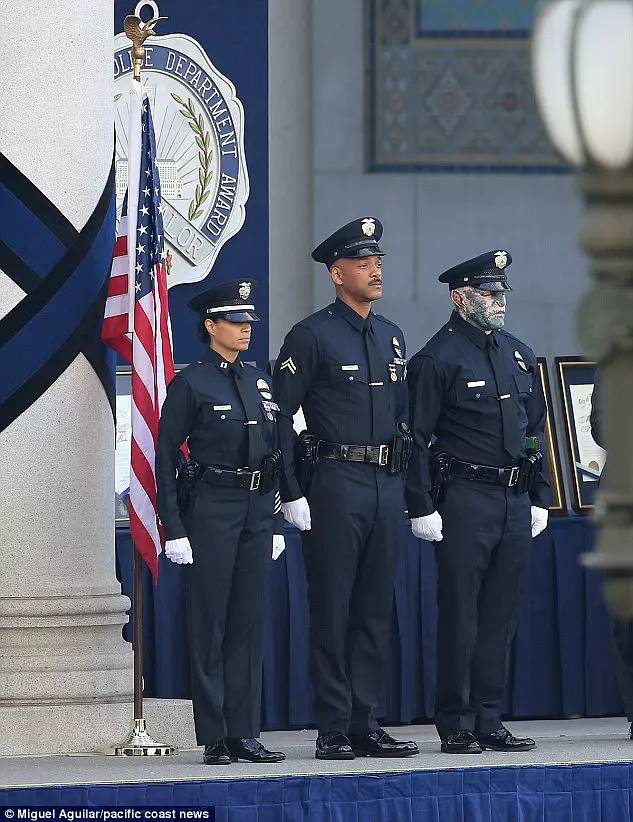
{"x": 561, "y": 663}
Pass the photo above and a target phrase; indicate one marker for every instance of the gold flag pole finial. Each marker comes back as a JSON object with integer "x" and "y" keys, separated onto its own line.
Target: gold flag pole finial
{"x": 138, "y": 32}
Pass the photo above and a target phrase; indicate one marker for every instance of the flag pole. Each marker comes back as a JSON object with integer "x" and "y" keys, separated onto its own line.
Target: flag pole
{"x": 138, "y": 742}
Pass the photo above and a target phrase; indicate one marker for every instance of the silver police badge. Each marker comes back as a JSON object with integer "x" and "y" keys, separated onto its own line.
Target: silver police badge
{"x": 501, "y": 259}
{"x": 368, "y": 226}
{"x": 245, "y": 290}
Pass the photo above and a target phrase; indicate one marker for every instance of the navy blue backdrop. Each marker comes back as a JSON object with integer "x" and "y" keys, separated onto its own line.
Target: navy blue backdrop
{"x": 561, "y": 664}
{"x": 235, "y": 37}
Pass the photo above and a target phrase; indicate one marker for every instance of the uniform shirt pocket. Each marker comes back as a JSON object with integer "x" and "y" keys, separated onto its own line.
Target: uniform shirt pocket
{"x": 523, "y": 383}
{"x": 347, "y": 373}
{"x": 474, "y": 389}
{"x": 223, "y": 413}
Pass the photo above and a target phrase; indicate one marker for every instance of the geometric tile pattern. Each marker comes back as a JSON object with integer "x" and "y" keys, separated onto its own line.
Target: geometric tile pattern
{"x": 475, "y": 15}
{"x": 451, "y": 102}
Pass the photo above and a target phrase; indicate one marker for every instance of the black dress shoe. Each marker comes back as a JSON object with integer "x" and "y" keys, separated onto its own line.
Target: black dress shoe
{"x": 216, "y": 754}
{"x": 503, "y": 740}
{"x": 460, "y": 742}
{"x": 379, "y": 743}
{"x": 333, "y": 746}
{"x": 252, "y": 750}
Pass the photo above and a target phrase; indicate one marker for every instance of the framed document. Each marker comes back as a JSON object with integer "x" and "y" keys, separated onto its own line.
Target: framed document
{"x": 559, "y": 505}
{"x": 576, "y": 380}
{"x": 123, "y": 443}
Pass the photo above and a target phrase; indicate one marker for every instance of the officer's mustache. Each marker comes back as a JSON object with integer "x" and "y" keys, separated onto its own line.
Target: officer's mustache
{"x": 376, "y": 281}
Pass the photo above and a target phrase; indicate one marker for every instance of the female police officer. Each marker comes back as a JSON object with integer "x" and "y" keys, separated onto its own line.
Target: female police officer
{"x": 223, "y": 532}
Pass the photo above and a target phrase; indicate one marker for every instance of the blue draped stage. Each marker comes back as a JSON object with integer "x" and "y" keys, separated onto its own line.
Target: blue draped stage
{"x": 580, "y": 793}
{"x": 561, "y": 663}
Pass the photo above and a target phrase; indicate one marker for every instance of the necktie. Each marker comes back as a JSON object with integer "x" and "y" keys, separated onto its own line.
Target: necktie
{"x": 376, "y": 375}
{"x": 252, "y": 414}
{"x": 509, "y": 419}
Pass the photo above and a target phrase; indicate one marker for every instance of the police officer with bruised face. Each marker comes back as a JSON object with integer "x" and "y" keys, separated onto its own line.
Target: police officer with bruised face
{"x": 219, "y": 518}
{"x": 478, "y": 487}
{"x": 346, "y": 367}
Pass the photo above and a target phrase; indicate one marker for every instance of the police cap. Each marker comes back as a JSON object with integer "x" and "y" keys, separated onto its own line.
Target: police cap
{"x": 486, "y": 272}
{"x": 356, "y": 239}
{"x": 231, "y": 301}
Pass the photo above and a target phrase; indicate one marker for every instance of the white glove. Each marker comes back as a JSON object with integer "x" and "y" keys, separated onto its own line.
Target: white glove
{"x": 539, "y": 520}
{"x": 428, "y": 527}
{"x": 279, "y": 545}
{"x": 179, "y": 551}
{"x": 297, "y": 513}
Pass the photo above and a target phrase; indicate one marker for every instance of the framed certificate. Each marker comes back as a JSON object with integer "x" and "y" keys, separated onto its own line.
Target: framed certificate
{"x": 123, "y": 443}
{"x": 576, "y": 380}
{"x": 559, "y": 505}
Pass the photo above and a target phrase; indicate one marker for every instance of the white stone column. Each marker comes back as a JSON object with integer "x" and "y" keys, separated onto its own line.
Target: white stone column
{"x": 62, "y": 656}
{"x": 290, "y": 165}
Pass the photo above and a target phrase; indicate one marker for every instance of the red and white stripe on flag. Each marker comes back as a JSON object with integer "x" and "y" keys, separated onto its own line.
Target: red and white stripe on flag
{"x": 136, "y": 322}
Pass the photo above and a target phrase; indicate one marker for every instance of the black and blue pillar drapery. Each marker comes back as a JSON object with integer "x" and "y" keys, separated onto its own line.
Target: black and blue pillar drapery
{"x": 561, "y": 663}
{"x": 64, "y": 274}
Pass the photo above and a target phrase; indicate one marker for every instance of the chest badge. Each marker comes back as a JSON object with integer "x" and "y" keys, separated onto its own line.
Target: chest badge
{"x": 520, "y": 361}
{"x": 264, "y": 389}
{"x": 396, "y": 347}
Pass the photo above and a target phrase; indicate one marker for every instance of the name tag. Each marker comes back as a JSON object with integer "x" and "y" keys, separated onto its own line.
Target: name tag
{"x": 349, "y": 368}
{"x": 222, "y": 407}
{"x": 476, "y": 384}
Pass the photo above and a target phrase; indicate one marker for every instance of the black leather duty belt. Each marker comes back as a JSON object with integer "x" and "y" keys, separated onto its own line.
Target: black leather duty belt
{"x": 484, "y": 473}
{"x": 243, "y": 478}
{"x": 374, "y": 454}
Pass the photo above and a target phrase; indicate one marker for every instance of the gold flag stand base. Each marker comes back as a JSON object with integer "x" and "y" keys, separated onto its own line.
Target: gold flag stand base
{"x": 139, "y": 743}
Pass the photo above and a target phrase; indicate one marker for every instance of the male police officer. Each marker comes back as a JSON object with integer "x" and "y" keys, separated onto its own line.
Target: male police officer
{"x": 346, "y": 367}
{"x": 475, "y": 390}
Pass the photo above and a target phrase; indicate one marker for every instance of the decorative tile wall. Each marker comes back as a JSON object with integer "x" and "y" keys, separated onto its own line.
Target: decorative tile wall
{"x": 456, "y": 99}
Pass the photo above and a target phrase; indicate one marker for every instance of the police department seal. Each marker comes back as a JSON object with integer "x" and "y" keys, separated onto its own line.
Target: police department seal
{"x": 199, "y": 124}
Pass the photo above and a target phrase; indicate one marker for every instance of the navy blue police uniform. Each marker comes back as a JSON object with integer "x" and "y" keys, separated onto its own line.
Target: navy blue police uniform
{"x": 475, "y": 397}
{"x": 348, "y": 374}
{"x": 226, "y": 413}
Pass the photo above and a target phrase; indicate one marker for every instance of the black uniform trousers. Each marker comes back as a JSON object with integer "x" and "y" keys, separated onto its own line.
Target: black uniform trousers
{"x": 351, "y": 555}
{"x": 226, "y": 591}
{"x": 483, "y": 569}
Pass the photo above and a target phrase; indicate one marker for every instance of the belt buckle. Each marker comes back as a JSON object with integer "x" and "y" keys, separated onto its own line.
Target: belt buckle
{"x": 255, "y": 480}
{"x": 383, "y": 455}
{"x": 514, "y": 476}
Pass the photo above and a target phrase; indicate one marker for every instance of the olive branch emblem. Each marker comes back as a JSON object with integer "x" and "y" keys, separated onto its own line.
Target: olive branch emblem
{"x": 203, "y": 141}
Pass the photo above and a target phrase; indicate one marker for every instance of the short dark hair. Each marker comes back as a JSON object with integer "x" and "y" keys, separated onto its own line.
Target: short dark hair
{"x": 203, "y": 334}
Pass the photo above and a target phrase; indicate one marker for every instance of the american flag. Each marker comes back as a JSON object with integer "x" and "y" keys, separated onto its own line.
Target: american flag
{"x": 136, "y": 322}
